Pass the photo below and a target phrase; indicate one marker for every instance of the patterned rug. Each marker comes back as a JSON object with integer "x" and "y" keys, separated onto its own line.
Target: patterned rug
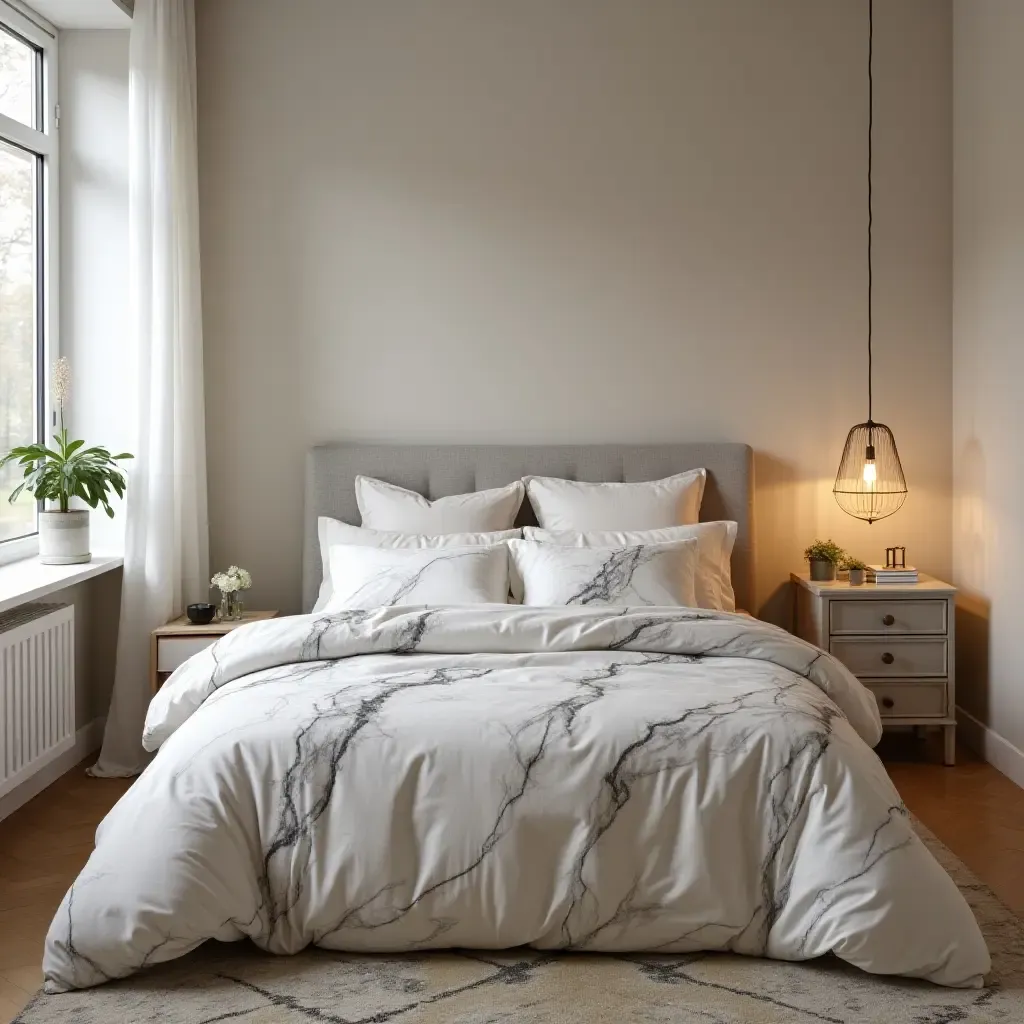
{"x": 238, "y": 983}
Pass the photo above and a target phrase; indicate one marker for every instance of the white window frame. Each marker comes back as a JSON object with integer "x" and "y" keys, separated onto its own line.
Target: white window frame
{"x": 43, "y": 143}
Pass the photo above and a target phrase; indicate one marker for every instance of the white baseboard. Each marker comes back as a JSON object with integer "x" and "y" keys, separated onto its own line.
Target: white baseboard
{"x": 88, "y": 740}
{"x": 996, "y": 749}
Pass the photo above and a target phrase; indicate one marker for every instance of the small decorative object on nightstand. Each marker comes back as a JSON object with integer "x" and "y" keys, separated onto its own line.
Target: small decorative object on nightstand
{"x": 824, "y": 557}
{"x": 896, "y": 558}
{"x": 200, "y": 614}
{"x": 857, "y": 569}
{"x": 231, "y": 584}
{"x": 175, "y": 643}
{"x": 896, "y": 638}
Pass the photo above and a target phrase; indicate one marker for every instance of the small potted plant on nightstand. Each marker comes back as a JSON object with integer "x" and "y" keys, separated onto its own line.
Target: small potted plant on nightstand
{"x": 68, "y": 470}
{"x": 824, "y": 556}
{"x": 857, "y": 570}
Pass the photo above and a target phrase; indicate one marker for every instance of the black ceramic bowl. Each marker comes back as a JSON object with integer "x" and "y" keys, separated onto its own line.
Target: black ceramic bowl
{"x": 200, "y": 614}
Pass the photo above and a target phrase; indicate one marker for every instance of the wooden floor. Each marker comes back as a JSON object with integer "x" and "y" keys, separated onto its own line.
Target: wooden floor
{"x": 973, "y": 809}
{"x": 43, "y": 846}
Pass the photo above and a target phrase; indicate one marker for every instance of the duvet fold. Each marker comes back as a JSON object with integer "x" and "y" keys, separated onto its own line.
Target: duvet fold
{"x": 494, "y": 776}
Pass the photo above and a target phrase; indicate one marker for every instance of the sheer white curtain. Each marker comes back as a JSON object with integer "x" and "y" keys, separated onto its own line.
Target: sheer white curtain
{"x": 166, "y": 561}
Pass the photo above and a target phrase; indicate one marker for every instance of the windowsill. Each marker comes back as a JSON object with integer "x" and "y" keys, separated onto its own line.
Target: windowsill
{"x": 29, "y": 580}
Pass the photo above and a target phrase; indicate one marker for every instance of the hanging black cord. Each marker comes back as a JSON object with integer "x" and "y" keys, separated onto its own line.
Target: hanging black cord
{"x": 871, "y": 120}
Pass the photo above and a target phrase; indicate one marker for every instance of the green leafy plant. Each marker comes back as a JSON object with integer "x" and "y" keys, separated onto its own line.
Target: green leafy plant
{"x": 826, "y": 551}
{"x": 849, "y": 562}
{"x": 68, "y": 470}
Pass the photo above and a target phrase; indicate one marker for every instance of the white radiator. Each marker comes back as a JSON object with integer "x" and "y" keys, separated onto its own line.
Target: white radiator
{"x": 37, "y": 689}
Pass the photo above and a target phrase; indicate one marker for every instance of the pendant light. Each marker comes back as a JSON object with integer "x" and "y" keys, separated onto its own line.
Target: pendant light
{"x": 870, "y": 484}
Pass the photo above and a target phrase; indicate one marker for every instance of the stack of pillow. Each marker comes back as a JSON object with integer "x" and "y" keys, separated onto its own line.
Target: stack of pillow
{"x": 597, "y": 544}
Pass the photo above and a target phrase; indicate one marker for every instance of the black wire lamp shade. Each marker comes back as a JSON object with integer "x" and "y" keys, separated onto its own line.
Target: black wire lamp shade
{"x": 870, "y": 484}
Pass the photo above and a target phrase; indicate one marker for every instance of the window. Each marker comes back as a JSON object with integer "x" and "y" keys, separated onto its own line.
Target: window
{"x": 28, "y": 176}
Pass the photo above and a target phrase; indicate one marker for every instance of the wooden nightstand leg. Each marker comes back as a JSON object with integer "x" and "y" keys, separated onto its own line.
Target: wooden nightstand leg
{"x": 949, "y": 744}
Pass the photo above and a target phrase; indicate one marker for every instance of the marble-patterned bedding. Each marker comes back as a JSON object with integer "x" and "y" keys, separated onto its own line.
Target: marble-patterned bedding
{"x": 496, "y": 776}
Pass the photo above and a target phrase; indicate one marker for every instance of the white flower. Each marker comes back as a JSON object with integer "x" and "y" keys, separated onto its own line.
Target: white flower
{"x": 233, "y": 580}
{"x": 61, "y": 380}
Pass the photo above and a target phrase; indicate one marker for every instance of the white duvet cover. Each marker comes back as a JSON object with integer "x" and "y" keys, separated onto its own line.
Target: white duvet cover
{"x": 492, "y": 776}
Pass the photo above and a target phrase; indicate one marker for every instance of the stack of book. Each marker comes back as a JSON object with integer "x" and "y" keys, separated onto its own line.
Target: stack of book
{"x": 886, "y": 574}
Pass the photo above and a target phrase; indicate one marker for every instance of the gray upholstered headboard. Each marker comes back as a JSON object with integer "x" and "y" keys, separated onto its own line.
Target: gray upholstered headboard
{"x": 439, "y": 470}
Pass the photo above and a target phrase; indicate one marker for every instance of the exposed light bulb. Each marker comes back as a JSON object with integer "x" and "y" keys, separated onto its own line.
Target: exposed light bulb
{"x": 869, "y": 471}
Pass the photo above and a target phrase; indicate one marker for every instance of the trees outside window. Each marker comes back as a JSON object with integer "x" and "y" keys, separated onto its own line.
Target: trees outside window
{"x": 28, "y": 152}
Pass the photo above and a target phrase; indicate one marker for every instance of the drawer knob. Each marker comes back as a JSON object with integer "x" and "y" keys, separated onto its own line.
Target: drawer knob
{"x": 888, "y": 702}
{"x": 887, "y": 658}
{"x": 888, "y": 620}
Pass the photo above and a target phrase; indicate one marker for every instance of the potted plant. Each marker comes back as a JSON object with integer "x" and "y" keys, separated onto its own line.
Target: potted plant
{"x": 56, "y": 475}
{"x": 857, "y": 569}
{"x": 824, "y": 556}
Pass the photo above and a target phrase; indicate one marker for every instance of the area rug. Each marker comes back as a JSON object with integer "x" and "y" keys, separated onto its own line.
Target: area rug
{"x": 238, "y": 983}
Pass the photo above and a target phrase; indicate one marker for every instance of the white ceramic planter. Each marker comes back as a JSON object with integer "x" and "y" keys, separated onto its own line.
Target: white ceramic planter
{"x": 64, "y": 537}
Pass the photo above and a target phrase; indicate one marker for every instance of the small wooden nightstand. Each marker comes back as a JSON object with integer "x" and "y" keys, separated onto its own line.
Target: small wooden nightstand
{"x": 176, "y": 642}
{"x": 897, "y": 639}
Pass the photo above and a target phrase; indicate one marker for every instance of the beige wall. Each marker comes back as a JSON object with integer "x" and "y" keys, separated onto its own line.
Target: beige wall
{"x": 988, "y": 353}
{"x": 583, "y": 221}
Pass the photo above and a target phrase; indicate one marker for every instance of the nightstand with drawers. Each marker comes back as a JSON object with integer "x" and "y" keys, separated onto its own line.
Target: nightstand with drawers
{"x": 175, "y": 643}
{"x": 897, "y": 639}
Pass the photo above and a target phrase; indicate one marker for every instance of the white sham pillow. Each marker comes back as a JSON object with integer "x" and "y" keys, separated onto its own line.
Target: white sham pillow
{"x": 385, "y": 506}
{"x": 715, "y": 541}
{"x": 651, "y": 505}
{"x": 635, "y": 575}
{"x": 374, "y": 577}
{"x": 333, "y": 531}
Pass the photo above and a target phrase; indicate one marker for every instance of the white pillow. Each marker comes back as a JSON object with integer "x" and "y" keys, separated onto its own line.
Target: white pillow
{"x": 640, "y": 574}
{"x": 386, "y": 507}
{"x": 653, "y": 505}
{"x": 372, "y": 577}
{"x": 333, "y": 531}
{"x": 715, "y": 542}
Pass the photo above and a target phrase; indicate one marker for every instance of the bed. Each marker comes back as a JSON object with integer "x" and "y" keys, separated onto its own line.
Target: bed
{"x": 491, "y": 776}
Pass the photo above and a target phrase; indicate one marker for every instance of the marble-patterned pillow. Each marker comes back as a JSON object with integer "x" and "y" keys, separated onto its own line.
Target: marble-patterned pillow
{"x": 715, "y": 541}
{"x": 634, "y": 575}
{"x": 333, "y": 531}
{"x": 373, "y": 577}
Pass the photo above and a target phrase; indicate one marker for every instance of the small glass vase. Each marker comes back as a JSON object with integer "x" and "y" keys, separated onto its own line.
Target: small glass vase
{"x": 230, "y": 607}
